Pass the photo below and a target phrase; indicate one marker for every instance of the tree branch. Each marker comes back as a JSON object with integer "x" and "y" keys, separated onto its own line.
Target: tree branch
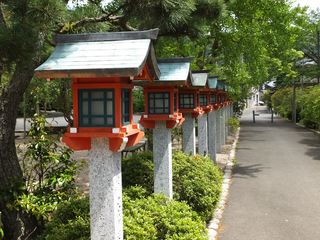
{"x": 2, "y": 23}
{"x": 311, "y": 56}
{"x": 2, "y": 20}
{"x": 84, "y": 21}
{"x": 111, "y": 17}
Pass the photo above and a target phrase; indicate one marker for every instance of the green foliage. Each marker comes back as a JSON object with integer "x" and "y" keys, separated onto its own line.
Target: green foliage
{"x": 138, "y": 100}
{"x": 153, "y": 217}
{"x": 156, "y": 217}
{"x": 310, "y": 112}
{"x": 71, "y": 221}
{"x": 47, "y": 95}
{"x": 49, "y": 173}
{"x": 196, "y": 179}
{"x": 266, "y": 98}
{"x": 308, "y": 104}
{"x": 259, "y": 42}
{"x": 234, "y": 124}
{"x": 138, "y": 170}
{"x": 1, "y": 230}
{"x": 282, "y": 102}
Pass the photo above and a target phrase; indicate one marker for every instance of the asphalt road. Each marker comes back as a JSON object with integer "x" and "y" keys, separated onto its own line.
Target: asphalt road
{"x": 275, "y": 190}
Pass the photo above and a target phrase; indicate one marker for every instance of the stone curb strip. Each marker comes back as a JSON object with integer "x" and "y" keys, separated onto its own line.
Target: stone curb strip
{"x": 217, "y": 216}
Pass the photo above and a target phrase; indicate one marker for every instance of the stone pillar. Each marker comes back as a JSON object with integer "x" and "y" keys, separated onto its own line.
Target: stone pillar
{"x": 106, "y": 221}
{"x": 162, "y": 157}
{"x": 226, "y": 117}
{"x": 223, "y": 129}
{"x": 212, "y": 136}
{"x": 203, "y": 135}
{"x": 189, "y": 135}
{"x": 218, "y": 129}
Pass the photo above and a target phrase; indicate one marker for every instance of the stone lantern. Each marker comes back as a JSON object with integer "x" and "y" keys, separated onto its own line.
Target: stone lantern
{"x": 102, "y": 67}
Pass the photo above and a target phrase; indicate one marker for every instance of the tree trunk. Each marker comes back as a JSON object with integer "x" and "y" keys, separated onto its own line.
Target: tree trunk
{"x": 17, "y": 224}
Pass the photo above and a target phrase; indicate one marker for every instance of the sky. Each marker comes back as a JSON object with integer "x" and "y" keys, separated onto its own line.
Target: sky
{"x": 312, "y": 4}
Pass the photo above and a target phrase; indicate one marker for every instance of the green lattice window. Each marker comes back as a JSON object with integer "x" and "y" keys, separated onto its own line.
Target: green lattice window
{"x": 125, "y": 106}
{"x": 186, "y": 100}
{"x": 213, "y": 99}
{"x": 203, "y": 100}
{"x": 96, "y": 108}
{"x": 159, "y": 103}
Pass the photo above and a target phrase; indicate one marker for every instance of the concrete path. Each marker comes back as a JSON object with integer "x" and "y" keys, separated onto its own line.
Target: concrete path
{"x": 275, "y": 191}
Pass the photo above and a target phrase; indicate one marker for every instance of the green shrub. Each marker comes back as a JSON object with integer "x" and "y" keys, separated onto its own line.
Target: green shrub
{"x": 310, "y": 113}
{"x": 282, "y": 102}
{"x": 196, "y": 179}
{"x": 49, "y": 171}
{"x": 234, "y": 124}
{"x": 308, "y": 104}
{"x": 138, "y": 170}
{"x": 154, "y": 217}
{"x": 71, "y": 221}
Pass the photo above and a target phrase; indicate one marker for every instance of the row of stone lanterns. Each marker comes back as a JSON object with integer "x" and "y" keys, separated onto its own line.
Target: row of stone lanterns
{"x": 104, "y": 67}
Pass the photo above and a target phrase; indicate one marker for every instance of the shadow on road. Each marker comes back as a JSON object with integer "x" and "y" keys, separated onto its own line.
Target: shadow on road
{"x": 313, "y": 143}
{"x": 245, "y": 171}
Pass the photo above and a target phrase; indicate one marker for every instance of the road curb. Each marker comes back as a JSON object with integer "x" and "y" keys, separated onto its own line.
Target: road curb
{"x": 217, "y": 216}
{"x": 312, "y": 130}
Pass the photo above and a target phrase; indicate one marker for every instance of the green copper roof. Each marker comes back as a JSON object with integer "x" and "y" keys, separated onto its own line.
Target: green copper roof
{"x": 199, "y": 78}
{"x": 103, "y": 54}
{"x": 213, "y": 82}
{"x": 174, "y": 69}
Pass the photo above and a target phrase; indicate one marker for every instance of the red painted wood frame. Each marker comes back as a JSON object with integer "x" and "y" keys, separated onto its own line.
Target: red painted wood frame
{"x": 173, "y": 119}
{"x": 197, "y": 110}
{"x": 207, "y": 92}
{"x": 80, "y": 137}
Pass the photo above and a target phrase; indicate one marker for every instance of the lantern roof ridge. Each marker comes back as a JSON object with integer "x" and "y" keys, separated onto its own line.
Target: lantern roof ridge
{"x": 174, "y": 70}
{"x": 106, "y": 36}
{"x": 199, "y": 78}
{"x": 213, "y": 82}
{"x": 175, "y": 60}
{"x": 102, "y": 55}
{"x": 201, "y": 71}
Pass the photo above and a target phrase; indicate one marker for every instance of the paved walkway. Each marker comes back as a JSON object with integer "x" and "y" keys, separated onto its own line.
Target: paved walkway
{"x": 275, "y": 191}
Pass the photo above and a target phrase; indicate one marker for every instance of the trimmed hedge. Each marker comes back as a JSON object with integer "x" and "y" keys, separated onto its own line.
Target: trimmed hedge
{"x": 70, "y": 221}
{"x": 152, "y": 218}
{"x": 308, "y": 104}
{"x": 197, "y": 184}
{"x": 196, "y": 180}
{"x": 156, "y": 217}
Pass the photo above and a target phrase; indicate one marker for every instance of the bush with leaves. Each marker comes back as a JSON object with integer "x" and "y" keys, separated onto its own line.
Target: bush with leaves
{"x": 308, "y": 104}
{"x": 138, "y": 170}
{"x": 310, "y": 113}
{"x": 138, "y": 100}
{"x": 49, "y": 172}
{"x": 71, "y": 221}
{"x": 1, "y": 230}
{"x": 153, "y": 217}
{"x": 234, "y": 124}
{"x": 157, "y": 217}
{"x": 282, "y": 102}
{"x": 196, "y": 179}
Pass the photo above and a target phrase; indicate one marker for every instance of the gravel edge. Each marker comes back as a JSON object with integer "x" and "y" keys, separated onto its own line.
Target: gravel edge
{"x": 217, "y": 216}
